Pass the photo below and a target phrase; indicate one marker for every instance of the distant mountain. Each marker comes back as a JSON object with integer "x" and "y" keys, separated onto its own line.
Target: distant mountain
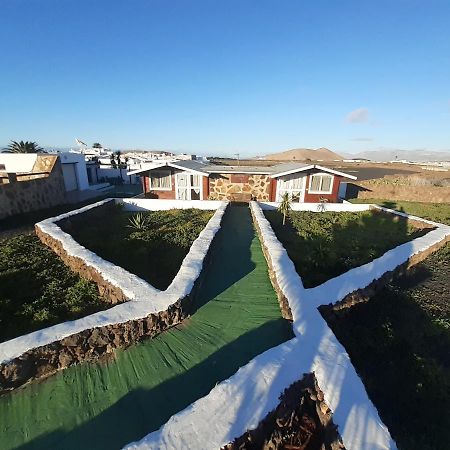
{"x": 305, "y": 154}
{"x": 408, "y": 155}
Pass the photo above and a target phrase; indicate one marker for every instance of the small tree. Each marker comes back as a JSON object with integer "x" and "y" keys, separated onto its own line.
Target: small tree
{"x": 96, "y": 145}
{"x": 23, "y": 147}
{"x": 118, "y": 157}
{"x": 285, "y": 206}
{"x": 112, "y": 160}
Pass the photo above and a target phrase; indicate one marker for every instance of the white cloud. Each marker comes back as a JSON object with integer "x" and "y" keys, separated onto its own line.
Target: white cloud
{"x": 359, "y": 115}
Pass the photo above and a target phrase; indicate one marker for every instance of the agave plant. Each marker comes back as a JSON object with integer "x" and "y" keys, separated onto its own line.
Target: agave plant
{"x": 322, "y": 205}
{"x": 23, "y": 147}
{"x": 285, "y": 206}
{"x": 138, "y": 222}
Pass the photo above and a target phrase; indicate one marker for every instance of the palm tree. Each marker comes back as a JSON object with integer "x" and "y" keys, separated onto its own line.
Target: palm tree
{"x": 285, "y": 206}
{"x": 23, "y": 147}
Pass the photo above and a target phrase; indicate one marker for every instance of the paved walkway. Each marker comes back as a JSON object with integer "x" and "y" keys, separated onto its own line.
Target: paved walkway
{"x": 104, "y": 406}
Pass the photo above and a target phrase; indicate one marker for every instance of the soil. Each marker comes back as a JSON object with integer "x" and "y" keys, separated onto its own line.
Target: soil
{"x": 399, "y": 344}
{"x": 301, "y": 421}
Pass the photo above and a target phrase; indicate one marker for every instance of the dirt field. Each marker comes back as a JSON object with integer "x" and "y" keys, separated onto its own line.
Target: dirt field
{"x": 364, "y": 171}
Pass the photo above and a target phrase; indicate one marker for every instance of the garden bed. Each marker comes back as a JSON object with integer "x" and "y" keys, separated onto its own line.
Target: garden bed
{"x": 151, "y": 245}
{"x": 37, "y": 290}
{"x": 301, "y": 420}
{"x": 399, "y": 342}
{"x": 326, "y": 244}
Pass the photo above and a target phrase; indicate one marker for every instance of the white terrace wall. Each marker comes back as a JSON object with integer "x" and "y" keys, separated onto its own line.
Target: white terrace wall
{"x": 141, "y": 204}
{"x": 253, "y": 392}
{"x": 316, "y": 207}
{"x": 148, "y": 311}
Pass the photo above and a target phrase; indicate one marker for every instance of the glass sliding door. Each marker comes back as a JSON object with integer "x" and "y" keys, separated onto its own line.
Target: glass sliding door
{"x": 196, "y": 187}
{"x": 294, "y": 185}
{"x": 182, "y": 180}
{"x": 188, "y": 186}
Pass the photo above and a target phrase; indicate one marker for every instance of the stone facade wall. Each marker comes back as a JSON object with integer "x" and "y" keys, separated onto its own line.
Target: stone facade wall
{"x": 28, "y": 194}
{"x": 239, "y": 187}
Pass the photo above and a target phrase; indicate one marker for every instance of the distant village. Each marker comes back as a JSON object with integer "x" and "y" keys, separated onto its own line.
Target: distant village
{"x": 58, "y": 176}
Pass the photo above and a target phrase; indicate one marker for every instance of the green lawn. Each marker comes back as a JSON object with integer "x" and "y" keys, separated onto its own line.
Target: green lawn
{"x": 326, "y": 244}
{"x": 37, "y": 290}
{"x": 439, "y": 212}
{"x": 399, "y": 342}
{"x": 154, "y": 251}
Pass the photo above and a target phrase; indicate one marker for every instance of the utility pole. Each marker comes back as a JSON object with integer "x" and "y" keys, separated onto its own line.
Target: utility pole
{"x": 237, "y": 154}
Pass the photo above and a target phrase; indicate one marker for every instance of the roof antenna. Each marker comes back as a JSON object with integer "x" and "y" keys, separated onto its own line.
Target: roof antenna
{"x": 81, "y": 144}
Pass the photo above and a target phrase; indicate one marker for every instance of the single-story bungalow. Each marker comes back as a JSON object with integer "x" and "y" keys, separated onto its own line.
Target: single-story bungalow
{"x": 193, "y": 180}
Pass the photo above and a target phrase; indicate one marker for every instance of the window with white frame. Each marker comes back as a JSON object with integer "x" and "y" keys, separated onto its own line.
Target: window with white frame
{"x": 321, "y": 183}
{"x": 160, "y": 180}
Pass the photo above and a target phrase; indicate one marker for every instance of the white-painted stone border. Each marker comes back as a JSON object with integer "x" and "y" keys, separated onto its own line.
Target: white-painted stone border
{"x": 316, "y": 207}
{"x": 144, "y": 298}
{"x": 241, "y": 402}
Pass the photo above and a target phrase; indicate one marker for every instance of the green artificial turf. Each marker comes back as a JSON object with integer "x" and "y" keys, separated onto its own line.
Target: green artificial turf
{"x": 106, "y": 405}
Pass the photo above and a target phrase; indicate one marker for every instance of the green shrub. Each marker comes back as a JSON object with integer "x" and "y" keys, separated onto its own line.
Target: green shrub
{"x": 326, "y": 244}
{"x": 154, "y": 249}
{"x": 37, "y": 290}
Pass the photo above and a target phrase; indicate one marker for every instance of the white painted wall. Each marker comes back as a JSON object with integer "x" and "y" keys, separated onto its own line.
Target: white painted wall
{"x": 80, "y": 169}
{"x": 70, "y": 177}
{"x": 18, "y": 162}
{"x": 316, "y": 207}
{"x": 147, "y": 204}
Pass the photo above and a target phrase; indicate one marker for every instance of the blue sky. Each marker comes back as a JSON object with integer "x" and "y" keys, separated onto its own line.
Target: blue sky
{"x": 220, "y": 77}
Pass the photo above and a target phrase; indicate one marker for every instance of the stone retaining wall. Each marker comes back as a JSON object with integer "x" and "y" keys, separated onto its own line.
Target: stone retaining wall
{"x": 286, "y": 312}
{"x": 302, "y": 420}
{"x": 95, "y": 343}
{"x": 89, "y": 345}
{"x": 111, "y": 293}
{"x": 332, "y": 311}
